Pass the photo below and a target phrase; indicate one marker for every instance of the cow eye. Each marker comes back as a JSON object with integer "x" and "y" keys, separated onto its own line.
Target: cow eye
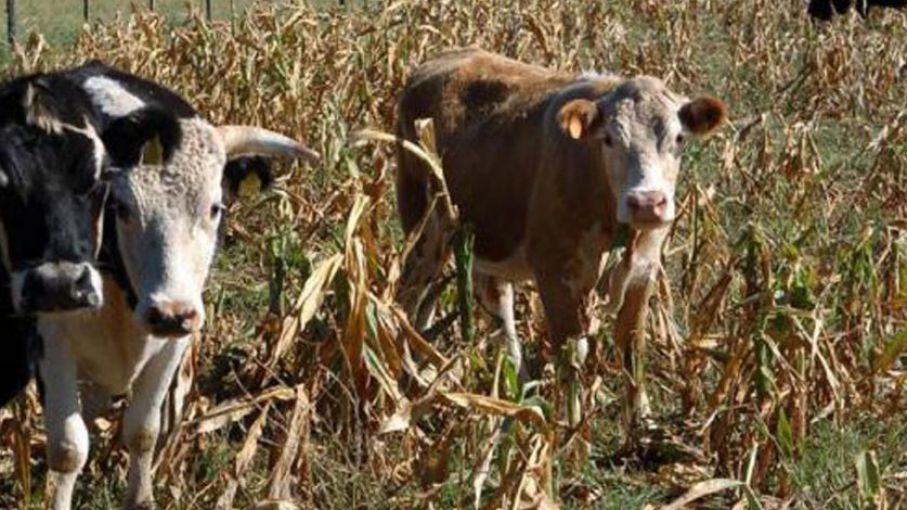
{"x": 122, "y": 211}
{"x": 217, "y": 210}
{"x": 608, "y": 141}
{"x": 681, "y": 139}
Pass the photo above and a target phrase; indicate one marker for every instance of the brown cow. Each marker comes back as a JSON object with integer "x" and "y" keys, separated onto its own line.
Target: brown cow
{"x": 546, "y": 166}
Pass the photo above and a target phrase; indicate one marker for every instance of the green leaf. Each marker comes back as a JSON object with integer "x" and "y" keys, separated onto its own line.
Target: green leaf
{"x": 785, "y": 435}
{"x": 869, "y": 479}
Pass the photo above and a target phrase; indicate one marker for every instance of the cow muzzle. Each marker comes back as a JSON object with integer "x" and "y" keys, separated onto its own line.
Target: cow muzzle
{"x": 57, "y": 287}
{"x": 649, "y": 209}
{"x": 172, "y": 319}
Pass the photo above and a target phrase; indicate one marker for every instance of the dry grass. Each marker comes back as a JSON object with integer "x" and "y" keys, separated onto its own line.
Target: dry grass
{"x": 780, "y": 336}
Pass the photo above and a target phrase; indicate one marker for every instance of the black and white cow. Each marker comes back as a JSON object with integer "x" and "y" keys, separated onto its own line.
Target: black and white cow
{"x": 167, "y": 199}
{"x": 51, "y": 200}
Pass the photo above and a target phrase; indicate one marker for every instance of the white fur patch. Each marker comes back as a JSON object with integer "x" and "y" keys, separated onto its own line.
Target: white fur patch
{"x": 99, "y": 151}
{"x": 17, "y": 283}
{"x": 595, "y": 75}
{"x": 110, "y": 95}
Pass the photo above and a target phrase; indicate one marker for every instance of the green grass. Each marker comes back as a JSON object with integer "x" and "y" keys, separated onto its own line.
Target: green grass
{"x": 825, "y": 475}
{"x": 60, "y": 21}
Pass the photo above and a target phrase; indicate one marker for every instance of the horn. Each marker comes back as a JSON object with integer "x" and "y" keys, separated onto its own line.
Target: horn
{"x": 253, "y": 140}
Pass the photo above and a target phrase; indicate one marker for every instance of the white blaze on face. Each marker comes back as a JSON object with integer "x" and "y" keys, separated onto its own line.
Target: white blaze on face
{"x": 112, "y": 97}
{"x": 641, "y": 142}
{"x": 167, "y": 222}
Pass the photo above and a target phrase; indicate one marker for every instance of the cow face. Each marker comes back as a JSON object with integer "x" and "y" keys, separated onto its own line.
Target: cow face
{"x": 51, "y": 197}
{"x": 641, "y": 128}
{"x": 168, "y": 208}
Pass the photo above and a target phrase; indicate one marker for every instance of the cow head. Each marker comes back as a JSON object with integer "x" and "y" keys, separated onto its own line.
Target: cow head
{"x": 168, "y": 200}
{"x": 51, "y": 195}
{"x": 641, "y": 128}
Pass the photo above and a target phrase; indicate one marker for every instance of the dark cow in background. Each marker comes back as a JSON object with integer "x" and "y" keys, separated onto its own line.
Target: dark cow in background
{"x": 547, "y": 168}
{"x": 51, "y": 199}
{"x": 169, "y": 190}
{"x": 825, "y": 9}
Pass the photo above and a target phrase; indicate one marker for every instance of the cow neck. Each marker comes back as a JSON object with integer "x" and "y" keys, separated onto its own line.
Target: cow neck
{"x": 111, "y": 260}
{"x": 588, "y": 192}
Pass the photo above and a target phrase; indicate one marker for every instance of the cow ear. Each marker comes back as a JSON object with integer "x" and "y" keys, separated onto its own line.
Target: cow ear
{"x": 146, "y": 136}
{"x": 580, "y": 118}
{"x": 4, "y": 179}
{"x": 38, "y": 108}
{"x": 245, "y": 177}
{"x": 703, "y": 115}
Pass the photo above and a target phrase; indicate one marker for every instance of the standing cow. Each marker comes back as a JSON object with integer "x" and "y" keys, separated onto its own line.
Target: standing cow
{"x": 51, "y": 199}
{"x": 166, "y": 205}
{"x": 546, "y": 166}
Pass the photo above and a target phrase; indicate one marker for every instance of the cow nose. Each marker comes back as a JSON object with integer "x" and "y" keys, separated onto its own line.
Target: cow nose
{"x": 647, "y": 206}
{"x": 172, "y": 320}
{"x": 83, "y": 290}
{"x": 59, "y": 287}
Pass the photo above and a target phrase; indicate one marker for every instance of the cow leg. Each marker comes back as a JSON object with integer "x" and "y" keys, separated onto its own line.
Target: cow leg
{"x": 423, "y": 265}
{"x": 642, "y": 263}
{"x": 496, "y": 297}
{"x": 67, "y": 436}
{"x": 142, "y": 421}
{"x": 568, "y": 322}
{"x": 630, "y": 336}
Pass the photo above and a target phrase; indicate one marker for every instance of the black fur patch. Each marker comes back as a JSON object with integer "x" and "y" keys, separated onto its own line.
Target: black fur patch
{"x": 237, "y": 170}
{"x": 125, "y": 137}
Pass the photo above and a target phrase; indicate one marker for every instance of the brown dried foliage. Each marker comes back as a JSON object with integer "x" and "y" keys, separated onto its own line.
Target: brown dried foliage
{"x": 786, "y": 300}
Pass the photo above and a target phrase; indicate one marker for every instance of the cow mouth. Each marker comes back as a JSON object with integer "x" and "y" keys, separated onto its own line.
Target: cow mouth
{"x": 651, "y": 224}
{"x": 53, "y": 289}
{"x": 171, "y": 321}
{"x": 171, "y": 332}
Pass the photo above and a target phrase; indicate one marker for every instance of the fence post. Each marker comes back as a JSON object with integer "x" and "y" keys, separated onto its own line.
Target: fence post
{"x": 151, "y": 5}
{"x": 86, "y": 10}
{"x": 208, "y": 9}
{"x": 11, "y": 21}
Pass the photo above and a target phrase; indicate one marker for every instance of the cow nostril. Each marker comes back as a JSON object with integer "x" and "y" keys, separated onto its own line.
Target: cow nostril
{"x": 634, "y": 203}
{"x": 154, "y": 316}
{"x": 84, "y": 281}
{"x": 171, "y": 320}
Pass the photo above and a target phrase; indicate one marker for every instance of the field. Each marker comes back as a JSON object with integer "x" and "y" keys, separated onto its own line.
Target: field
{"x": 777, "y": 343}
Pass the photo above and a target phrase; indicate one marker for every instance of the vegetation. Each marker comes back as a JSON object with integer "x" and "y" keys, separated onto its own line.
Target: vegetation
{"x": 777, "y": 343}
{"x": 61, "y": 22}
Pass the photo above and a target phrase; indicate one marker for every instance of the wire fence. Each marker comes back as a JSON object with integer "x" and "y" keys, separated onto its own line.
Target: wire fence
{"x": 13, "y": 22}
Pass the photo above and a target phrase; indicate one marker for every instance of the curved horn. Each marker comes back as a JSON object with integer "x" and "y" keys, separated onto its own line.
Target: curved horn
{"x": 253, "y": 140}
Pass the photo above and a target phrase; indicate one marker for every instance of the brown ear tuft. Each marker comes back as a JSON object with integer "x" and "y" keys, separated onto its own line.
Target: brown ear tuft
{"x": 579, "y": 118}
{"x": 703, "y": 115}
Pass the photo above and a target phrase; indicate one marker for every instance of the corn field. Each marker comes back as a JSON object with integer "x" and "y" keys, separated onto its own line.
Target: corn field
{"x": 780, "y": 319}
